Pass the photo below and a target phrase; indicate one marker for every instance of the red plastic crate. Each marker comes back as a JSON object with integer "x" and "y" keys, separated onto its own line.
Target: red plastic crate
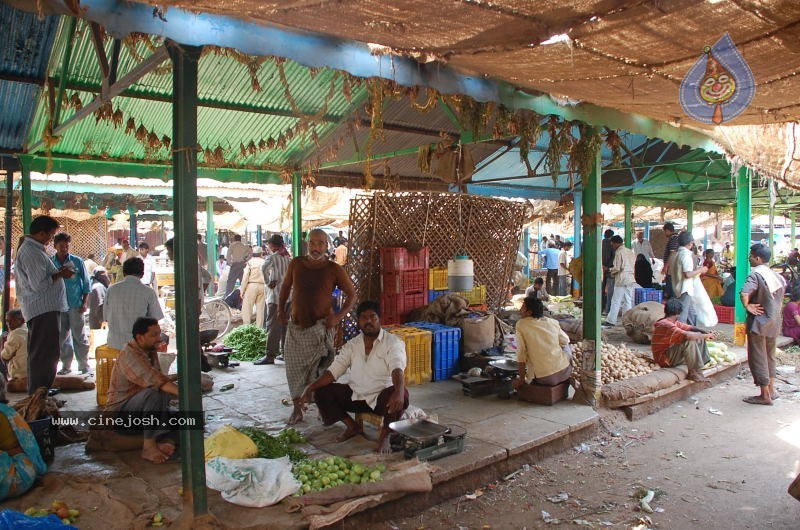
{"x": 724, "y": 314}
{"x": 393, "y": 259}
{"x": 405, "y": 282}
{"x": 396, "y": 307}
{"x": 417, "y": 260}
{"x": 396, "y": 259}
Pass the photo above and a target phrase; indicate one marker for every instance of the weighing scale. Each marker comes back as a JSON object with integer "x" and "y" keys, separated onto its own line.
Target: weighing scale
{"x": 426, "y": 440}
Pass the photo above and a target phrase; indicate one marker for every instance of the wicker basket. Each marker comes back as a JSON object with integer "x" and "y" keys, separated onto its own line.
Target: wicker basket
{"x": 106, "y": 358}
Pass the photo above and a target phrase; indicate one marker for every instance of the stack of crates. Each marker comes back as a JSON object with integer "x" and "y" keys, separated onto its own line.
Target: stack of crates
{"x": 433, "y": 295}
{"x": 418, "y": 353}
{"x": 445, "y": 349}
{"x": 641, "y": 295}
{"x": 404, "y": 279}
{"x": 477, "y": 296}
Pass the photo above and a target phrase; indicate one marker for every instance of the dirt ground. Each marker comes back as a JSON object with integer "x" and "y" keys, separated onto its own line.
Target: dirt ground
{"x": 712, "y": 461}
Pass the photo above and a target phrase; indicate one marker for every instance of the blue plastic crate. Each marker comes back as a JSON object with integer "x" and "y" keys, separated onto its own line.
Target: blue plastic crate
{"x": 641, "y": 295}
{"x": 434, "y": 294}
{"x": 445, "y": 348}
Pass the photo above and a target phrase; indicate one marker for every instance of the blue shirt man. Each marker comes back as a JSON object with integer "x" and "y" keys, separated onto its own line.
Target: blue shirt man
{"x": 551, "y": 257}
{"x": 74, "y": 342}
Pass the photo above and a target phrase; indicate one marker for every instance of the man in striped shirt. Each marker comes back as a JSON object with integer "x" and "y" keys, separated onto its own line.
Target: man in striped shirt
{"x": 42, "y": 297}
{"x": 274, "y": 270}
{"x": 671, "y": 247}
{"x": 677, "y": 343}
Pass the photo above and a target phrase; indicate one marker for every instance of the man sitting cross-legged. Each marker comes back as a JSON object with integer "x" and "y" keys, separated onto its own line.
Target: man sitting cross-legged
{"x": 677, "y": 343}
{"x": 376, "y": 360}
{"x": 139, "y": 388}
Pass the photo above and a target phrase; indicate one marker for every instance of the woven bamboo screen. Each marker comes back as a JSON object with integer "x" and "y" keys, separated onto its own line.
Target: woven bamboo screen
{"x": 449, "y": 224}
{"x": 88, "y": 236}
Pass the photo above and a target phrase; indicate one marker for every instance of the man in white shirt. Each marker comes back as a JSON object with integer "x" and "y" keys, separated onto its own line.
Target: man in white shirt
{"x": 340, "y": 253}
{"x": 685, "y": 278}
{"x": 643, "y": 246}
{"x": 149, "y": 277}
{"x": 563, "y": 269}
{"x": 127, "y": 301}
{"x": 624, "y": 282}
{"x": 377, "y": 361}
{"x": 237, "y": 257}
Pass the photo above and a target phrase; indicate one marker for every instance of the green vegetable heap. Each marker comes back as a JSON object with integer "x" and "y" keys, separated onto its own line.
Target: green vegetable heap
{"x": 276, "y": 446}
{"x": 250, "y": 342}
{"x": 317, "y": 475}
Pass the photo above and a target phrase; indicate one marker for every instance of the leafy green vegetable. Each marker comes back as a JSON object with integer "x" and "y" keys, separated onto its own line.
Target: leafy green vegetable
{"x": 271, "y": 446}
{"x": 250, "y": 342}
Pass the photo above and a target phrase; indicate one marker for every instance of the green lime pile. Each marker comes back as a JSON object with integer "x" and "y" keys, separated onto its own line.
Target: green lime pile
{"x": 276, "y": 446}
{"x": 317, "y": 475}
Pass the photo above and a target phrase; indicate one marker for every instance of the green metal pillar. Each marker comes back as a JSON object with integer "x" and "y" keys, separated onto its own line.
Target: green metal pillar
{"x": 132, "y": 232}
{"x": 771, "y": 231}
{"x": 184, "y": 163}
{"x": 7, "y": 235}
{"x": 26, "y": 198}
{"x": 525, "y": 248}
{"x": 689, "y": 216}
{"x": 793, "y": 229}
{"x": 628, "y": 221}
{"x": 211, "y": 243}
{"x": 577, "y": 198}
{"x": 297, "y": 214}
{"x": 741, "y": 248}
{"x": 592, "y": 221}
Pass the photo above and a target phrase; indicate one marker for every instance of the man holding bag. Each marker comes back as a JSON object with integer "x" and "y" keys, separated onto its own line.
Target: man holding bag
{"x": 687, "y": 286}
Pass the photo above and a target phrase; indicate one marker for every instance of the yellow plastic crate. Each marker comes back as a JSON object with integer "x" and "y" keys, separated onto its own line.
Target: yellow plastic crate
{"x": 169, "y": 302}
{"x": 437, "y": 279}
{"x": 106, "y": 358}
{"x": 476, "y": 296}
{"x": 165, "y": 279}
{"x": 418, "y": 353}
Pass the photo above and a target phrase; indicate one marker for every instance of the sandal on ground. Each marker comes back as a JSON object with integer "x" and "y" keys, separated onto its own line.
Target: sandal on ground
{"x": 755, "y": 400}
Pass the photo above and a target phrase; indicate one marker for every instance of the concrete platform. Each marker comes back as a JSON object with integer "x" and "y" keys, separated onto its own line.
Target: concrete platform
{"x": 501, "y": 436}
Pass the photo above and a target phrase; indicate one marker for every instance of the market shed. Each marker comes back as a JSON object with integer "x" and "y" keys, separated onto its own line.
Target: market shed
{"x": 507, "y": 71}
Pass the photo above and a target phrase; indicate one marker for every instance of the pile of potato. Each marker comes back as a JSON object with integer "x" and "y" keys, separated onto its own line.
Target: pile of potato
{"x": 617, "y": 363}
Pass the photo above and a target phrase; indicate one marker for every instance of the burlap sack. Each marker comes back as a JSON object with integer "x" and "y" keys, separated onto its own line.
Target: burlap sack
{"x": 644, "y": 384}
{"x": 478, "y": 333}
{"x": 638, "y": 322}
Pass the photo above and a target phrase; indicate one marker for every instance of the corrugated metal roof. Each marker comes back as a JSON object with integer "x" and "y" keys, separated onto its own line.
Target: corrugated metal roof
{"x": 234, "y": 113}
{"x": 24, "y": 55}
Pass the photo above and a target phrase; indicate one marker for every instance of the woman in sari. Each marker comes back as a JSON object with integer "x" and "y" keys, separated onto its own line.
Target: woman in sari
{"x": 712, "y": 280}
{"x": 20, "y": 458}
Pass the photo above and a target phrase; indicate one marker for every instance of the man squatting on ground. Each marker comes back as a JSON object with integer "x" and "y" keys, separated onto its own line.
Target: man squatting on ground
{"x": 138, "y": 387}
{"x": 311, "y": 280}
{"x": 377, "y": 361}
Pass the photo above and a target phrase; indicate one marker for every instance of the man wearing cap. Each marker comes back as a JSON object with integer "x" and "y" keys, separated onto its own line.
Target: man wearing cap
{"x": 274, "y": 270}
{"x": 253, "y": 289}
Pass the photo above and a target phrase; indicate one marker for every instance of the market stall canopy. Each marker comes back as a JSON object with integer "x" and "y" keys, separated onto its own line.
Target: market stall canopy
{"x": 320, "y": 207}
{"x": 609, "y": 63}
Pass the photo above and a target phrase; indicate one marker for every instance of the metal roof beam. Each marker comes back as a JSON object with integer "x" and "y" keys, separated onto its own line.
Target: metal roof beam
{"x": 316, "y": 50}
{"x": 142, "y": 69}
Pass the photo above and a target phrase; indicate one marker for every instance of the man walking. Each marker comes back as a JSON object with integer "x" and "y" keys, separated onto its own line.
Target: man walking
{"x": 685, "y": 278}
{"x": 74, "y": 342}
{"x": 253, "y": 286}
{"x": 643, "y": 246}
{"x": 624, "y": 283}
{"x": 127, "y": 301}
{"x": 563, "y": 269}
{"x": 550, "y": 256}
{"x": 311, "y": 280}
{"x": 237, "y": 256}
{"x": 149, "y": 277}
{"x": 274, "y": 270}
{"x": 42, "y": 297}
{"x": 762, "y": 297}
{"x": 669, "y": 249}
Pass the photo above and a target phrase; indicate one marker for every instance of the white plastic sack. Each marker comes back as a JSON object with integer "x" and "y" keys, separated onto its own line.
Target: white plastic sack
{"x": 706, "y": 315}
{"x": 251, "y": 482}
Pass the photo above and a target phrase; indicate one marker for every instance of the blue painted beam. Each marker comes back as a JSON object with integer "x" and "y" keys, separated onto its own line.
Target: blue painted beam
{"x": 314, "y": 50}
{"x": 521, "y": 192}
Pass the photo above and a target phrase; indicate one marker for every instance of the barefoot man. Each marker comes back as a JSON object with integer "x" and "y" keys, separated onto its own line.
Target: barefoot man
{"x": 138, "y": 388}
{"x": 762, "y": 297}
{"x": 308, "y": 347}
{"x": 376, "y": 360}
